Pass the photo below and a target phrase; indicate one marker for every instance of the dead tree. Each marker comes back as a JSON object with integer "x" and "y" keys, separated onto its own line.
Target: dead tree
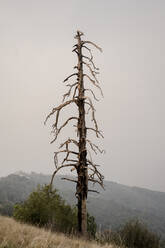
{"x": 87, "y": 170}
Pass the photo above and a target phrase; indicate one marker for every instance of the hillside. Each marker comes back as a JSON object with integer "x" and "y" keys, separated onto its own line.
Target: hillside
{"x": 111, "y": 208}
{"x": 15, "y": 235}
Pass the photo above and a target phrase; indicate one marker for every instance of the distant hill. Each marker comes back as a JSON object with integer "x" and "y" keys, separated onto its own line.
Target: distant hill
{"x": 111, "y": 208}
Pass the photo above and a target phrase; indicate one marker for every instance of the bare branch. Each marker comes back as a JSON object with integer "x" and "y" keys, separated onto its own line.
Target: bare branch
{"x": 96, "y": 181}
{"x": 90, "y": 162}
{"x": 69, "y": 141}
{"x": 87, "y": 112}
{"x": 90, "y": 102}
{"x": 63, "y": 151}
{"x": 59, "y": 168}
{"x": 95, "y": 191}
{"x": 57, "y": 109}
{"x": 93, "y": 113}
{"x": 92, "y": 43}
{"x": 89, "y": 50}
{"x": 79, "y": 33}
{"x": 74, "y": 94}
{"x": 56, "y": 130}
{"x": 93, "y": 82}
{"x": 91, "y": 145}
{"x": 91, "y": 71}
{"x": 72, "y": 160}
{"x": 86, "y": 57}
{"x": 92, "y": 94}
{"x": 90, "y": 107}
{"x": 67, "y": 155}
{"x": 75, "y": 50}
{"x": 96, "y": 131}
{"x": 96, "y": 173}
{"x": 74, "y": 74}
{"x": 69, "y": 91}
{"x": 68, "y": 179}
{"x": 94, "y": 147}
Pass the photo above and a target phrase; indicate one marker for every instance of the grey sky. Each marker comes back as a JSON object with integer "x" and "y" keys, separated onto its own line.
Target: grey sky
{"x": 36, "y": 38}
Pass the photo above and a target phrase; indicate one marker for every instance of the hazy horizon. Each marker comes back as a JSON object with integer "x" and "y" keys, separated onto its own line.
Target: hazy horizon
{"x": 36, "y": 39}
{"x": 70, "y": 176}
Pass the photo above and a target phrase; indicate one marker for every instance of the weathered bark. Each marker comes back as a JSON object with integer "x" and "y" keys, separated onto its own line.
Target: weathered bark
{"x": 82, "y": 185}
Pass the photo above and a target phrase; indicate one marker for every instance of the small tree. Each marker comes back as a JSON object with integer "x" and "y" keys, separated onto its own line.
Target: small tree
{"x": 48, "y": 209}
{"x": 82, "y": 163}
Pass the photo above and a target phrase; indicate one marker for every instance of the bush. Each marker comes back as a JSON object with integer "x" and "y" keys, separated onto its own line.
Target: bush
{"x": 6, "y": 209}
{"x": 91, "y": 225}
{"x": 48, "y": 209}
{"x": 136, "y": 235}
{"x": 132, "y": 235}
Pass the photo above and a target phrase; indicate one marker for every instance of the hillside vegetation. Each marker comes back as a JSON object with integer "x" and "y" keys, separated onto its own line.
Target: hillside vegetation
{"x": 47, "y": 209}
{"x": 16, "y": 235}
{"x": 111, "y": 208}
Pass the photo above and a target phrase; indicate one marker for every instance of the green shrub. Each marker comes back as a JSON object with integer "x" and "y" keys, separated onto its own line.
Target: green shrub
{"x": 6, "y": 208}
{"x": 132, "y": 235}
{"x": 48, "y": 209}
{"x": 136, "y": 235}
{"x": 91, "y": 225}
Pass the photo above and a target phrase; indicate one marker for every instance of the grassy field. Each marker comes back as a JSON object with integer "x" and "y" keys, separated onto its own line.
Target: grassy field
{"x": 16, "y": 235}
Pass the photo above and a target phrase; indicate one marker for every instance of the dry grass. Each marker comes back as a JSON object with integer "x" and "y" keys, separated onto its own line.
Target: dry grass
{"x": 16, "y": 235}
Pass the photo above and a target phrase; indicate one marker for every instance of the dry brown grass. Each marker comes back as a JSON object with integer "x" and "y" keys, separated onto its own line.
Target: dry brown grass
{"x": 16, "y": 235}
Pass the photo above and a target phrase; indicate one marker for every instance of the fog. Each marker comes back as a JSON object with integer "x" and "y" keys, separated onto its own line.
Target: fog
{"x": 36, "y": 39}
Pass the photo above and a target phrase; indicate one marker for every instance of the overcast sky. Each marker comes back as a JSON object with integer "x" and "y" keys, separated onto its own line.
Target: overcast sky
{"x": 36, "y": 39}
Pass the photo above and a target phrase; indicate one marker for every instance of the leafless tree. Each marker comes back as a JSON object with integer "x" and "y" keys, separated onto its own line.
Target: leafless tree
{"x": 77, "y": 159}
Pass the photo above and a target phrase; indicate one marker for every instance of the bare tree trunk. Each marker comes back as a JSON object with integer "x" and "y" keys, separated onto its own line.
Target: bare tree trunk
{"x": 82, "y": 184}
{"x": 86, "y": 169}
